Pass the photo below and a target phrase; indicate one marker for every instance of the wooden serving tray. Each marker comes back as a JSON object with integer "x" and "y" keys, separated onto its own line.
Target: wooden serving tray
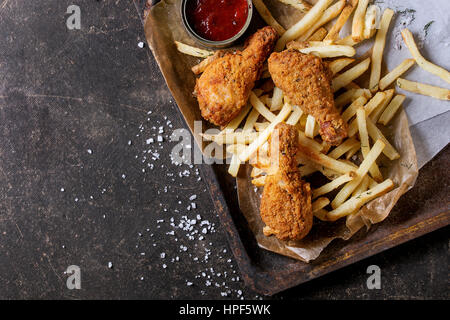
{"x": 423, "y": 209}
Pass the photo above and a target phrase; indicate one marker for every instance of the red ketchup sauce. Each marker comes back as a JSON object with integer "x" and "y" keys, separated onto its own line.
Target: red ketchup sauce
{"x": 217, "y": 20}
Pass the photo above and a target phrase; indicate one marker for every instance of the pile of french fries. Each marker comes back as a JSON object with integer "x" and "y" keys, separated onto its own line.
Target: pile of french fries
{"x": 246, "y": 137}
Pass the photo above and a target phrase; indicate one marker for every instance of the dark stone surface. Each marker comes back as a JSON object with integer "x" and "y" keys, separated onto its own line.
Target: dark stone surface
{"x": 70, "y": 103}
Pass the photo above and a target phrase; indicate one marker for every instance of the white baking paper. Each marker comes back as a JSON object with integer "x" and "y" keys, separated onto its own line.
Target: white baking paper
{"x": 429, "y": 21}
{"x": 430, "y": 137}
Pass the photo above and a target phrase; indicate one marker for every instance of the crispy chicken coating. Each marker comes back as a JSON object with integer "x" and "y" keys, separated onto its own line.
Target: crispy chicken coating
{"x": 306, "y": 82}
{"x": 224, "y": 87}
{"x": 286, "y": 201}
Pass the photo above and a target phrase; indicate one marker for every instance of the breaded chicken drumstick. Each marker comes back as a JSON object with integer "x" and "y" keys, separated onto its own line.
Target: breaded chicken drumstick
{"x": 224, "y": 87}
{"x": 286, "y": 201}
{"x": 306, "y": 82}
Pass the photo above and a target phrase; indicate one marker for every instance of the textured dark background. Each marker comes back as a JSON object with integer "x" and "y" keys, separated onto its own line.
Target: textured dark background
{"x": 74, "y": 124}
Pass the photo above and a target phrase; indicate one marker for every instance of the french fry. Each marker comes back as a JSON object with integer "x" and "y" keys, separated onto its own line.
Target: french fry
{"x": 352, "y": 85}
{"x": 378, "y": 48}
{"x": 297, "y": 4}
{"x": 261, "y": 158}
{"x": 368, "y": 108}
{"x": 321, "y": 159}
{"x": 376, "y": 134}
{"x": 235, "y": 164}
{"x": 350, "y": 96}
{"x": 363, "y": 186}
{"x": 318, "y": 35}
{"x": 328, "y": 15}
{"x": 340, "y": 22}
{"x": 320, "y": 203}
{"x": 391, "y": 109}
{"x": 295, "y": 116}
{"x": 277, "y": 99}
{"x": 373, "y": 103}
{"x": 192, "y": 51}
{"x": 251, "y": 120}
{"x": 302, "y": 122}
{"x": 424, "y": 89}
{"x": 372, "y": 183}
{"x": 304, "y": 24}
{"x": 343, "y": 148}
{"x": 358, "y": 20}
{"x": 394, "y": 74}
{"x": 234, "y": 124}
{"x": 298, "y": 45}
{"x": 347, "y": 145}
{"x": 339, "y": 64}
{"x": 321, "y": 214}
{"x": 259, "y": 182}
{"x": 351, "y": 109}
{"x": 311, "y": 167}
{"x": 355, "y": 203}
{"x": 235, "y": 148}
{"x": 365, "y": 146}
{"x": 348, "y": 76}
{"x": 310, "y": 143}
{"x": 333, "y": 184}
{"x": 375, "y": 114}
{"x": 199, "y": 68}
{"x": 421, "y": 61}
{"x": 231, "y": 137}
{"x": 350, "y": 153}
{"x": 362, "y": 128}
{"x": 263, "y": 136}
{"x": 260, "y": 126}
{"x": 267, "y": 16}
{"x": 256, "y": 172}
{"x": 310, "y": 124}
{"x": 330, "y": 51}
{"x": 262, "y": 109}
{"x": 370, "y": 21}
{"x": 266, "y": 100}
{"x": 368, "y": 161}
{"x": 347, "y": 41}
{"x": 306, "y": 170}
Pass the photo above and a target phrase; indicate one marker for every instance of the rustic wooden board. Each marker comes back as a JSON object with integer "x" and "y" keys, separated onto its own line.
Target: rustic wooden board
{"x": 423, "y": 209}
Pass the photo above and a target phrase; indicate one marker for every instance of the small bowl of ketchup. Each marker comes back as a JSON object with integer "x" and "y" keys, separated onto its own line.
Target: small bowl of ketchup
{"x": 216, "y": 23}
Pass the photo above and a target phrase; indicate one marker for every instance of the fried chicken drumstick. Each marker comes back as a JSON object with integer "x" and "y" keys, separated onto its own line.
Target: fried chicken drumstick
{"x": 286, "y": 201}
{"x": 224, "y": 87}
{"x": 306, "y": 82}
